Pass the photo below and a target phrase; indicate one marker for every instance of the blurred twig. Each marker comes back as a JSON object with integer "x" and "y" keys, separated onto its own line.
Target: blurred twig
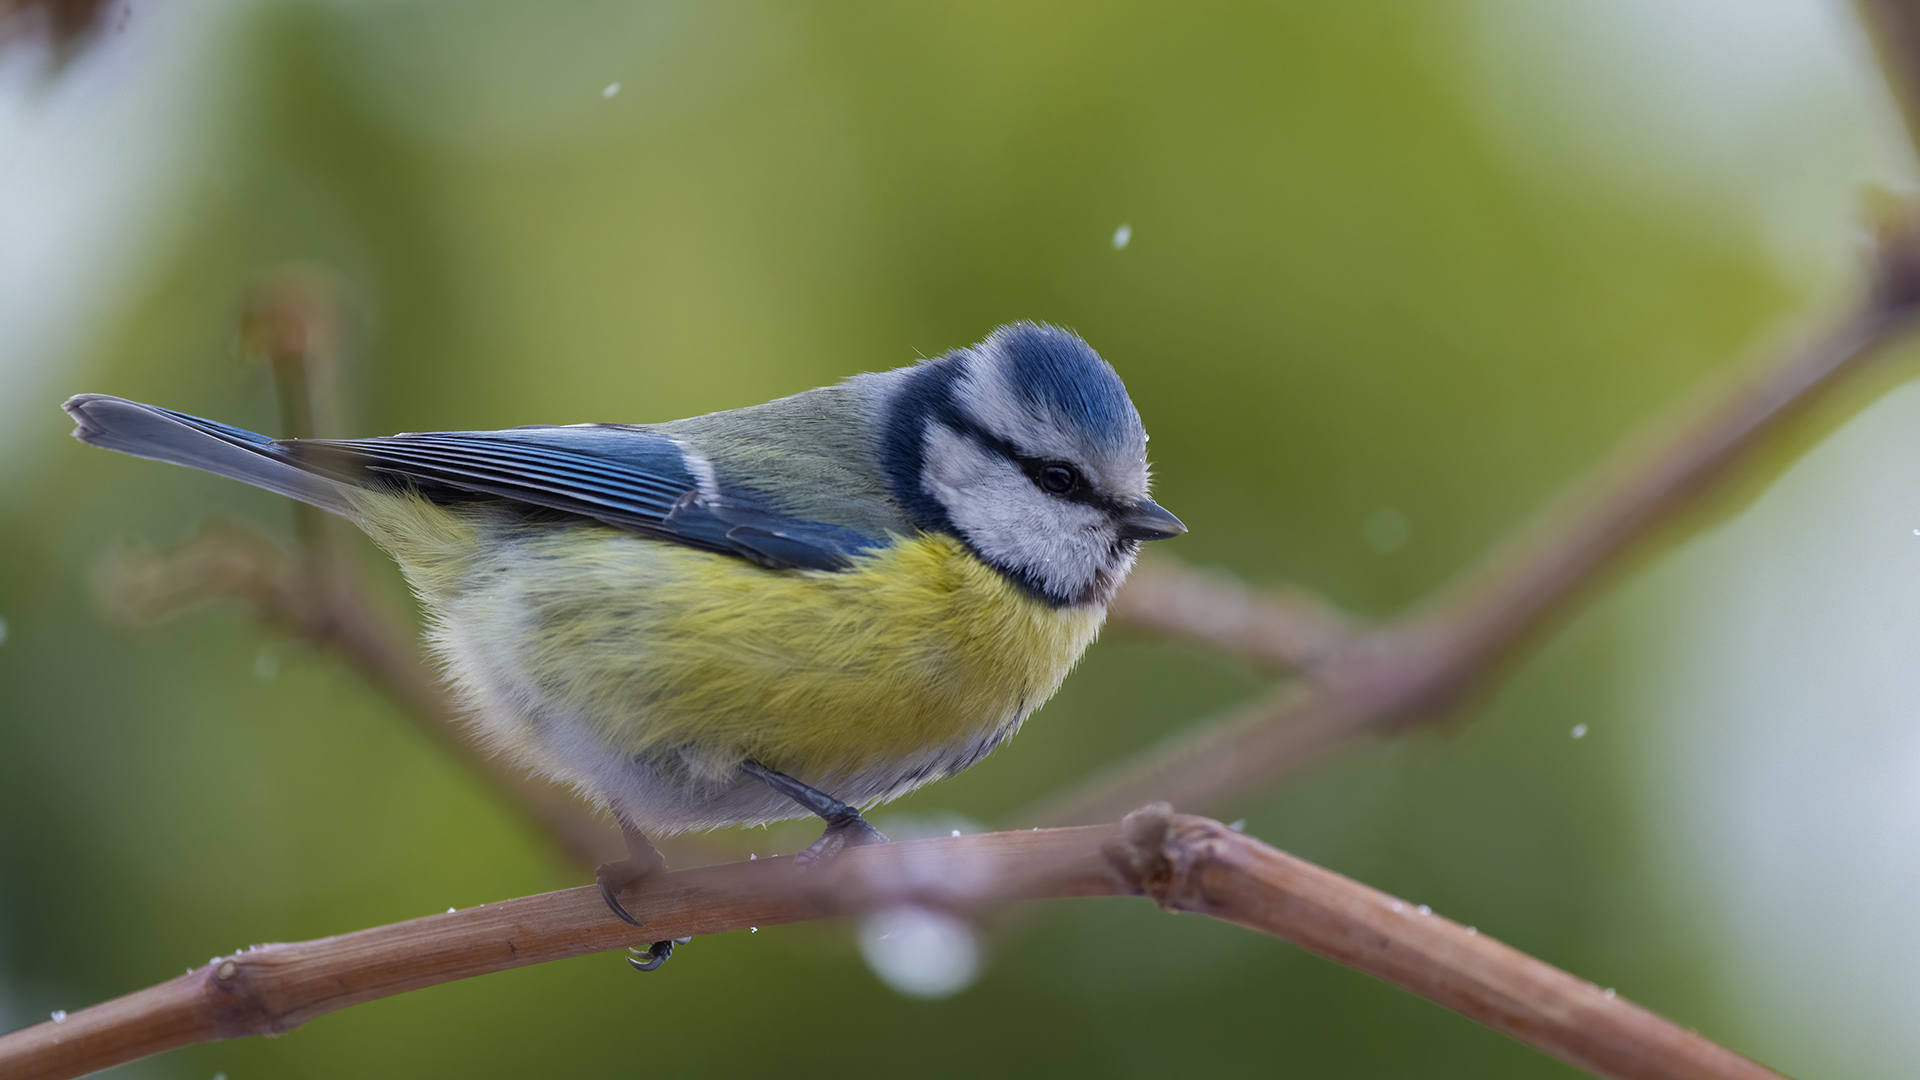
{"x": 1358, "y": 682}
{"x": 1183, "y": 863}
{"x": 1420, "y": 667}
{"x": 1289, "y": 629}
{"x": 1893, "y": 26}
{"x": 67, "y": 24}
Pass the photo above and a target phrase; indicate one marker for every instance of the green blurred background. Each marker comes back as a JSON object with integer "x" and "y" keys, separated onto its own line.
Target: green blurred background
{"x": 1396, "y": 273}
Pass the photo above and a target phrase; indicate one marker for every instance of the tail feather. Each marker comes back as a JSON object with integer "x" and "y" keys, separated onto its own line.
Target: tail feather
{"x": 149, "y": 431}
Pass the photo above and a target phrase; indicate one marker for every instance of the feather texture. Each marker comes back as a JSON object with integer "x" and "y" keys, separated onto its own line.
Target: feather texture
{"x": 628, "y": 477}
{"x": 644, "y": 672}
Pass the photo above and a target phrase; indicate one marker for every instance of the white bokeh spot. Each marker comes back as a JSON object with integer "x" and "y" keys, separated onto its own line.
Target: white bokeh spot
{"x": 921, "y": 952}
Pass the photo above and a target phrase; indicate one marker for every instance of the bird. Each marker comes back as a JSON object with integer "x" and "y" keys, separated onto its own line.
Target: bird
{"x": 801, "y": 607}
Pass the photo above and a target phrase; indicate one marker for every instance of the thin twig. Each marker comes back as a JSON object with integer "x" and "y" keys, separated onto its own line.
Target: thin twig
{"x": 1183, "y": 863}
{"x": 1893, "y": 26}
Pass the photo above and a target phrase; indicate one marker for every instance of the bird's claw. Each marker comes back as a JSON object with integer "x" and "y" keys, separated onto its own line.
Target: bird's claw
{"x": 657, "y": 953}
{"x": 612, "y": 877}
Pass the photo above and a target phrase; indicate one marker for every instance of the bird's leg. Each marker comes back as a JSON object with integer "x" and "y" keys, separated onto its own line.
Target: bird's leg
{"x": 643, "y": 860}
{"x": 845, "y": 826}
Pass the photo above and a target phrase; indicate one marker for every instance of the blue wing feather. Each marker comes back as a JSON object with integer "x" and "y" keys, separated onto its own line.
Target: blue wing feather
{"x": 627, "y": 477}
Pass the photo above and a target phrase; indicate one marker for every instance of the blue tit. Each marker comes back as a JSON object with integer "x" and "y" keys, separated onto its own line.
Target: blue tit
{"x": 806, "y": 606}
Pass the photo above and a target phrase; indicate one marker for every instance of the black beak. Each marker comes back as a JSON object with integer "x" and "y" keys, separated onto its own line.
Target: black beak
{"x": 1145, "y": 520}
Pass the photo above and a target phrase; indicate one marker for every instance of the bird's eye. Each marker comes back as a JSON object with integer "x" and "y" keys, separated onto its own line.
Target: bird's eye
{"x": 1058, "y": 479}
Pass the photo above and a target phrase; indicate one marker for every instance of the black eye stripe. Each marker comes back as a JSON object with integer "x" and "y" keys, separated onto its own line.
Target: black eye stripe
{"x": 1080, "y": 491}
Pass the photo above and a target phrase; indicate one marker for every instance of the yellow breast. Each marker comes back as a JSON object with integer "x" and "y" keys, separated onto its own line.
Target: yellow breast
{"x": 910, "y": 665}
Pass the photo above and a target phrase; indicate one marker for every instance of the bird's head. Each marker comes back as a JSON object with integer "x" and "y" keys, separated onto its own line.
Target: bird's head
{"x": 1027, "y": 448}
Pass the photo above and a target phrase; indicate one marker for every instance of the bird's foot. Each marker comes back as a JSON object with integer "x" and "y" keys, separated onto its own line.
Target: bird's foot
{"x": 854, "y": 832}
{"x": 657, "y": 953}
{"x": 615, "y": 876}
{"x": 643, "y": 861}
{"x": 845, "y": 827}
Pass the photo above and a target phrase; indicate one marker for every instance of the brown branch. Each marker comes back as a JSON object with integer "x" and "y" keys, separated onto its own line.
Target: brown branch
{"x": 1183, "y": 863}
{"x": 1187, "y": 863}
{"x": 1283, "y": 628}
{"x": 1421, "y": 667}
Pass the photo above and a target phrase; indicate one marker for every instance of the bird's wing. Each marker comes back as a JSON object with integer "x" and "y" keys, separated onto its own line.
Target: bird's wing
{"x": 627, "y": 477}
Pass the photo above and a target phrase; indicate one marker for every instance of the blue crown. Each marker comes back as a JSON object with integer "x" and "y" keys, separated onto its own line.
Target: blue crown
{"x": 1054, "y": 370}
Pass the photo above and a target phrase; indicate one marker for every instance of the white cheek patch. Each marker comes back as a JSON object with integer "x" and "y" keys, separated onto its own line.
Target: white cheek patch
{"x": 1013, "y": 524}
